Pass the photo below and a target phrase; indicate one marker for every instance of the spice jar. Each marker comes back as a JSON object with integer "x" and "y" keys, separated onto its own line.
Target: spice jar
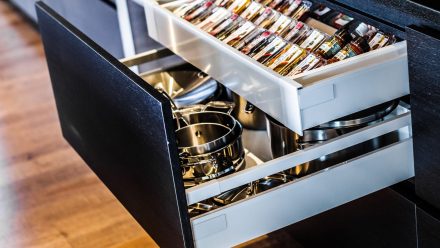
{"x": 314, "y": 40}
{"x": 287, "y": 59}
{"x": 238, "y": 6}
{"x": 253, "y": 11}
{"x": 310, "y": 62}
{"x": 270, "y": 50}
{"x": 258, "y": 43}
{"x": 331, "y": 47}
{"x": 380, "y": 40}
{"x": 356, "y": 47}
{"x": 240, "y": 33}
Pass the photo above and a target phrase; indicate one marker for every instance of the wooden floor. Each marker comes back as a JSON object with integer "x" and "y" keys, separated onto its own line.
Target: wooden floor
{"x": 48, "y": 196}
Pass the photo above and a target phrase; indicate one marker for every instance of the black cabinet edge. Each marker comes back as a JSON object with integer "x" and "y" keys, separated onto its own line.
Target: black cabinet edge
{"x": 407, "y": 190}
{"x": 109, "y": 3}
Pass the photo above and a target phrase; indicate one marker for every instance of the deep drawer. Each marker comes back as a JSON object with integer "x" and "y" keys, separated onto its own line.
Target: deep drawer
{"x": 123, "y": 128}
{"x": 307, "y": 100}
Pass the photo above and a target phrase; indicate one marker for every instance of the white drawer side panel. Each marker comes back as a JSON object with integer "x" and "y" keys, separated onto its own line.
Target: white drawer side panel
{"x": 355, "y": 91}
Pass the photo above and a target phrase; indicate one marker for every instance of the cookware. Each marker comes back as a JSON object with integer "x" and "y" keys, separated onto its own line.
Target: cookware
{"x": 206, "y": 131}
{"x": 253, "y": 188}
{"x": 284, "y": 141}
{"x": 201, "y": 208}
{"x": 185, "y": 87}
{"x": 209, "y": 143}
{"x": 247, "y": 114}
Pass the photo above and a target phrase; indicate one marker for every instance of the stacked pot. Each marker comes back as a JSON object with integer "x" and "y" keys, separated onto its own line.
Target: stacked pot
{"x": 208, "y": 136}
{"x": 209, "y": 142}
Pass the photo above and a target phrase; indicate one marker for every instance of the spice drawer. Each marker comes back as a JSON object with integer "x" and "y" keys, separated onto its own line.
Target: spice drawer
{"x": 301, "y": 102}
{"x": 124, "y": 130}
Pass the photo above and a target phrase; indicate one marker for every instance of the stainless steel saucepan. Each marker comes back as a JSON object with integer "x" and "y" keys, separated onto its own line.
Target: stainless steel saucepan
{"x": 209, "y": 144}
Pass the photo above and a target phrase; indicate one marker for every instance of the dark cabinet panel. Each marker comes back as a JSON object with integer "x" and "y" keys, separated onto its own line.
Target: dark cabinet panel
{"x": 428, "y": 230}
{"x": 120, "y": 126}
{"x": 424, "y": 72}
{"x": 400, "y": 13}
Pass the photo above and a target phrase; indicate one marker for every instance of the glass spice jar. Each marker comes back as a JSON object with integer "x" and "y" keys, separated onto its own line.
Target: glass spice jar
{"x": 356, "y": 47}
{"x": 288, "y": 60}
{"x": 331, "y": 47}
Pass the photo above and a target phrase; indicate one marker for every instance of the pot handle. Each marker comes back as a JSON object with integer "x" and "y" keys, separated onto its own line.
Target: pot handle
{"x": 174, "y": 108}
{"x": 249, "y": 108}
{"x": 221, "y": 105}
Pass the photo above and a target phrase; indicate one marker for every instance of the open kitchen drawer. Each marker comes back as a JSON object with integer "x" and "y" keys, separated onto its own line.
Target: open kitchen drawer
{"x": 301, "y": 102}
{"x": 124, "y": 130}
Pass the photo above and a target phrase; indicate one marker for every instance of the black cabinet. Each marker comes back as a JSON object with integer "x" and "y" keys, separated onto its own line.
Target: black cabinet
{"x": 120, "y": 126}
{"x": 424, "y": 71}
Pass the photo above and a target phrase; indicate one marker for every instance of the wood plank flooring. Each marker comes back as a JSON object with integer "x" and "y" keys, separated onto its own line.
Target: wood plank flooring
{"x": 48, "y": 196}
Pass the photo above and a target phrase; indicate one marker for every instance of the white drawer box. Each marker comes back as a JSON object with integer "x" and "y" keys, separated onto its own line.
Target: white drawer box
{"x": 308, "y": 99}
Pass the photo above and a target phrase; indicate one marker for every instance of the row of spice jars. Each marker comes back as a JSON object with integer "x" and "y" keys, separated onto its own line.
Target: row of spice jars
{"x": 279, "y": 40}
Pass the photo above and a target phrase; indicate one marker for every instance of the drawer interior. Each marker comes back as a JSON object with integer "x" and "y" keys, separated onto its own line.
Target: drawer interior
{"x": 399, "y": 119}
{"x": 363, "y": 81}
{"x": 257, "y": 143}
{"x": 375, "y": 156}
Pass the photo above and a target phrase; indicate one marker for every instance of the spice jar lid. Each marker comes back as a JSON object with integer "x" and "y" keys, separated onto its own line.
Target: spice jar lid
{"x": 361, "y": 29}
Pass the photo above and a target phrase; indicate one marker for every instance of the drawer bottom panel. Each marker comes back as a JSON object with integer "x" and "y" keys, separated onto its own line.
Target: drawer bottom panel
{"x": 303, "y": 198}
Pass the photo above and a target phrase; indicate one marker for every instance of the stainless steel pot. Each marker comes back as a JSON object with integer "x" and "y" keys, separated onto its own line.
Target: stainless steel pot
{"x": 214, "y": 164}
{"x": 284, "y": 141}
{"x": 209, "y": 144}
{"x": 205, "y": 132}
{"x": 185, "y": 87}
{"x": 247, "y": 114}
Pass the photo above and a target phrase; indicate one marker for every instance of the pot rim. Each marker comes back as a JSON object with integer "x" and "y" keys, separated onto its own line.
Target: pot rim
{"x": 234, "y": 132}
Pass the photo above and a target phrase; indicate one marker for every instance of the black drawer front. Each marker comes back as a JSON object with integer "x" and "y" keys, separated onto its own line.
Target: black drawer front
{"x": 424, "y": 72}
{"x": 120, "y": 126}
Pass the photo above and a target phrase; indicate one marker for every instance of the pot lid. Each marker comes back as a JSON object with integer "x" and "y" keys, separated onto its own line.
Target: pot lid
{"x": 363, "y": 117}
